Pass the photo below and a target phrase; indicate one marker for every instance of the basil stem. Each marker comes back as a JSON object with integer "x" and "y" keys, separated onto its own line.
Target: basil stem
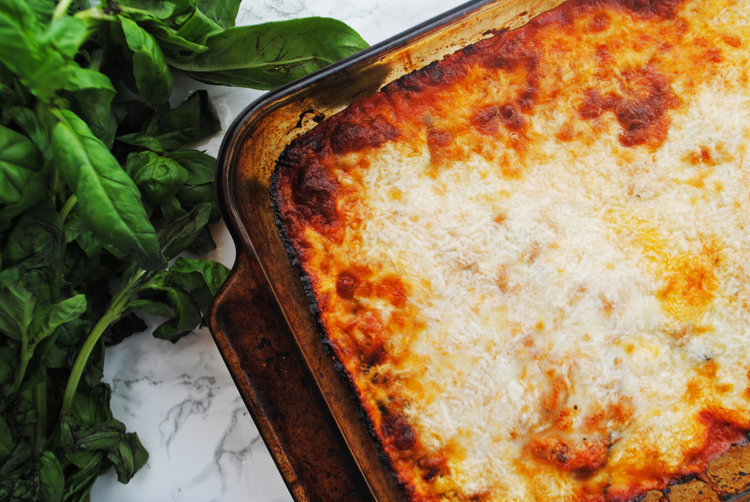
{"x": 115, "y": 309}
{"x": 61, "y": 9}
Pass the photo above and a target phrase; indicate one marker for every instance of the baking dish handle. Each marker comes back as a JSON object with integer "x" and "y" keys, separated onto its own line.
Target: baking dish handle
{"x": 279, "y": 391}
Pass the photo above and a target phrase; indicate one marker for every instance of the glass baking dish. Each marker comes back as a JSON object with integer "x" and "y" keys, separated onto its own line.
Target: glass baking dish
{"x": 261, "y": 319}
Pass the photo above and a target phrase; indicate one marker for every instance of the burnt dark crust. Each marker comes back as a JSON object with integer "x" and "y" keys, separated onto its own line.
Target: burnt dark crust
{"x": 329, "y": 137}
{"x": 322, "y": 332}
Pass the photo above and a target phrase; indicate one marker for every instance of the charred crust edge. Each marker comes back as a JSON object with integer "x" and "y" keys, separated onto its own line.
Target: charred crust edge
{"x": 322, "y": 332}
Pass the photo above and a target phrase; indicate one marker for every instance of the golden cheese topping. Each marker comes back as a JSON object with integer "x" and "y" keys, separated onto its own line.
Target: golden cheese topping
{"x": 532, "y": 258}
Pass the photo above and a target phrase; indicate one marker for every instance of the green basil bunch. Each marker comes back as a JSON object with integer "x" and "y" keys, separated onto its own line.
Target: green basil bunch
{"x": 104, "y": 209}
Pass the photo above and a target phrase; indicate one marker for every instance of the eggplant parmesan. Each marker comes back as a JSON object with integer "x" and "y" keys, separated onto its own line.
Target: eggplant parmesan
{"x": 531, "y": 259}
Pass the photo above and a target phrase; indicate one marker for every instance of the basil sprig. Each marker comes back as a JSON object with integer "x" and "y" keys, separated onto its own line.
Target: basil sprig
{"x": 103, "y": 208}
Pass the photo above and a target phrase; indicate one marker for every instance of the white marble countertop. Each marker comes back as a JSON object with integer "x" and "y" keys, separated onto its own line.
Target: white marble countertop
{"x": 180, "y": 398}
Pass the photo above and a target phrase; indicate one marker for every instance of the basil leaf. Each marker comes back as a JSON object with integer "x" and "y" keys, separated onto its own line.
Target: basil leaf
{"x": 180, "y": 234}
{"x": 223, "y": 12}
{"x": 270, "y": 54}
{"x": 141, "y": 140}
{"x": 193, "y": 120}
{"x": 51, "y": 478}
{"x": 19, "y": 160}
{"x": 21, "y": 50}
{"x": 173, "y": 44}
{"x": 199, "y": 186}
{"x": 172, "y": 209}
{"x": 128, "y": 457}
{"x": 28, "y": 317}
{"x": 67, "y": 341}
{"x": 16, "y": 478}
{"x": 107, "y": 197}
{"x": 156, "y": 9}
{"x": 197, "y": 27}
{"x": 23, "y": 176}
{"x": 202, "y": 272}
{"x": 77, "y": 78}
{"x": 95, "y": 107}
{"x": 77, "y": 230}
{"x": 78, "y": 484}
{"x": 149, "y": 307}
{"x": 187, "y": 287}
{"x": 27, "y": 121}
{"x": 192, "y": 195}
{"x": 35, "y": 189}
{"x": 36, "y": 241}
{"x": 20, "y": 15}
{"x": 43, "y": 9}
{"x": 6, "y": 436}
{"x": 86, "y": 262}
{"x": 17, "y": 306}
{"x": 7, "y": 357}
{"x": 152, "y": 77}
{"x": 42, "y": 59}
{"x": 19, "y": 458}
{"x": 200, "y": 166}
{"x": 58, "y": 314}
{"x": 203, "y": 243}
{"x": 66, "y": 34}
{"x": 127, "y": 325}
{"x": 186, "y": 314}
{"x": 94, "y": 437}
{"x": 130, "y": 115}
{"x": 156, "y": 176}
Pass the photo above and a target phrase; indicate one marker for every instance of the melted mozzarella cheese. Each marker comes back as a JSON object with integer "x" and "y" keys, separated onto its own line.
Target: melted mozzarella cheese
{"x": 568, "y": 282}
